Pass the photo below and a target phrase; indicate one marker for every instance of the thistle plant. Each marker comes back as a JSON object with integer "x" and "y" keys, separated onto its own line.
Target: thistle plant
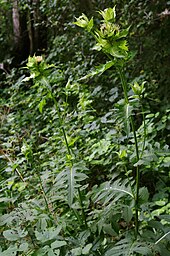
{"x": 112, "y": 41}
{"x": 39, "y": 72}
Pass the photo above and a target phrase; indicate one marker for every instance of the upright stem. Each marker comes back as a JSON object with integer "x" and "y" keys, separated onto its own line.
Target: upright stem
{"x": 124, "y": 85}
{"x": 66, "y": 142}
{"x": 144, "y": 127}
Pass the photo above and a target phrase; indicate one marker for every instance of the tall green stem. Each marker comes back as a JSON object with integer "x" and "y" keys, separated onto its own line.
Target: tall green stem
{"x": 144, "y": 127}
{"x": 124, "y": 86}
{"x": 66, "y": 141}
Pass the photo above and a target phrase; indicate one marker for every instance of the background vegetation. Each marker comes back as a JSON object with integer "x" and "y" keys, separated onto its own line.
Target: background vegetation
{"x": 84, "y": 141}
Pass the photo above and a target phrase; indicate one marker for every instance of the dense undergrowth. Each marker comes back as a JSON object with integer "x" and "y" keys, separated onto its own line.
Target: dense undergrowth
{"x": 84, "y": 160}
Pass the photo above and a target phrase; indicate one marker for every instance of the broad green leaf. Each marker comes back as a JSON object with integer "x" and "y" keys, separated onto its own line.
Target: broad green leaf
{"x": 11, "y": 251}
{"x": 166, "y": 161}
{"x": 14, "y": 235}
{"x": 57, "y": 244}
{"x": 86, "y": 249}
{"x": 51, "y": 253}
{"x": 143, "y": 195}
{"x": 77, "y": 251}
{"x": 127, "y": 213}
{"x": 47, "y": 234}
{"x": 107, "y": 228}
{"x": 23, "y": 247}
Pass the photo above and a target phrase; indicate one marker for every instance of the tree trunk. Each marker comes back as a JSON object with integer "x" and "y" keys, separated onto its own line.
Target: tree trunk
{"x": 16, "y": 24}
{"x": 37, "y": 32}
{"x": 36, "y": 16}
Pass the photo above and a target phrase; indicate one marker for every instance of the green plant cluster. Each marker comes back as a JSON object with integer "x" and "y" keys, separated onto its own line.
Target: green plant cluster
{"x": 83, "y": 171}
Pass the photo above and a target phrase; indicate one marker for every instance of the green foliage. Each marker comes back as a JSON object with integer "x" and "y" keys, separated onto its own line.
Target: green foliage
{"x": 70, "y": 154}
